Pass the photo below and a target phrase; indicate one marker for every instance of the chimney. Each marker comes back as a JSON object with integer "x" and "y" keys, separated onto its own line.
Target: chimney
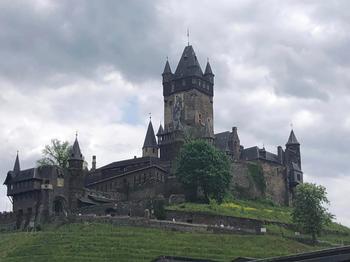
{"x": 93, "y": 166}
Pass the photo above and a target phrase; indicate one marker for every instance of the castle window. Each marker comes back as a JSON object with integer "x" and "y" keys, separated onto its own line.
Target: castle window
{"x": 298, "y": 177}
{"x": 199, "y": 82}
{"x": 183, "y": 82}
{"x": 193, "y": 80}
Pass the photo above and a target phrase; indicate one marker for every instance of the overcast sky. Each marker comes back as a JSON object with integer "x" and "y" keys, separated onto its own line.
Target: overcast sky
{"x": 95, "y": 67}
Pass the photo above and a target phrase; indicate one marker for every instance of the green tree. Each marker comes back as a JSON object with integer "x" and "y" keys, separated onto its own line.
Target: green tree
{"x": 57, "y": 153}
{"x": 309, "y": 213}
{"x": 200, "y": 165}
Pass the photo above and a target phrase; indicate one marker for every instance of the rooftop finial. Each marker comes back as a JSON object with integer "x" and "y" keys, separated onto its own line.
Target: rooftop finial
{"x": 76, "y": 134}
{"x": 291, "y": 125}
{"x": 150, "y": 116}
{"x": 188, "y": 36}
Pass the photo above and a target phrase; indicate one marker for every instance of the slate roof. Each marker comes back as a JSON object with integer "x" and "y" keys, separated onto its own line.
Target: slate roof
{"x": 16, "y": 167}
{"x": 121, "y": 168}
{"x": 167, "y": 69}
{"x": 75, "y": 153}
{"x": 208, "y": 70}
{"x": 160, "y": 130}
{"x": 150, "y": 139}
{"x": 188, "y": 64}
{"x": 292, "y": 140}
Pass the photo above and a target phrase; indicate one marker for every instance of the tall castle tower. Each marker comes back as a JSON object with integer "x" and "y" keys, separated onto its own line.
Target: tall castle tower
{"x": 293, "y": 161}
{"x": 75, "y": 175}
{"x": 188, "y": 104}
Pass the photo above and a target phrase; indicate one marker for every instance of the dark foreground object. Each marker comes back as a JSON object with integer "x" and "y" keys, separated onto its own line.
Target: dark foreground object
{"x": 340, "y": 254}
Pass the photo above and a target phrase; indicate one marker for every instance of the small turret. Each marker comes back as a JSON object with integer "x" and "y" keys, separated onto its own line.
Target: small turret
{"x": 17, "y": 167}
{"x": 292, "y": 140}
{"x": 167, "y": 74}
{"x": 150, "y": 146}
{"x": 208, "y": 74}
{"x": 76, "y": 158}
{"x": 160, "y": 133}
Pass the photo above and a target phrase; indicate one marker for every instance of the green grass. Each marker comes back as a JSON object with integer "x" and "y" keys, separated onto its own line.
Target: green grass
{"x": 252, "y": 209}
{"x": 104, "y": 242}
{"x": 240, "y": 208}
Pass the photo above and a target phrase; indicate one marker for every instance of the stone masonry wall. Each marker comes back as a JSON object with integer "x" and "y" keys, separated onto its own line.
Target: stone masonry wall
{"x": 257, "y": 179}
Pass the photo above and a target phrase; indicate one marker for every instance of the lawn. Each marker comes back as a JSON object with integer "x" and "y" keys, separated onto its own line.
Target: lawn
{"x": 250, "y": 209}
{"x": 104, "y": 242}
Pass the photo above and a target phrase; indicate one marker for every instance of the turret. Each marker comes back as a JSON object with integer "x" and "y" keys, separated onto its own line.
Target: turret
{"x": 150, "y": 146}
{"x": 167, "y": 74}
{"x": 17, "y": 167}
{"x": 208, "y": 74}
{"x": 76, "y": 158}
{"x": 293, "y": 160}
{"x": 160, "y": 133}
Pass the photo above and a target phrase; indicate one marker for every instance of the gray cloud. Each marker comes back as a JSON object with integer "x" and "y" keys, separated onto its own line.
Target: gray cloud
{"x": 95, "y": 67}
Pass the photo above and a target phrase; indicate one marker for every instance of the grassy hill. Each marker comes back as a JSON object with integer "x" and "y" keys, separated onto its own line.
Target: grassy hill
{"x": 262, "y": 210}
{"x": 104, "y": 242}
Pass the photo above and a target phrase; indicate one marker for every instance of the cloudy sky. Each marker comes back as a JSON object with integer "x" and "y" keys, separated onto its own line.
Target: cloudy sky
{"x": 95, "y": 67}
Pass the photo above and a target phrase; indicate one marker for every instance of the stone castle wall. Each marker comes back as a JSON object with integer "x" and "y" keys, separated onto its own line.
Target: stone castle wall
{"x": 258, "y": 179}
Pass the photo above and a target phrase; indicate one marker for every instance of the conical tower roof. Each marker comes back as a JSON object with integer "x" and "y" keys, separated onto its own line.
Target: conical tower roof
{"x": 160, "y": 130}
{"x": 17, "y": 167}
{"x": 167, "y": 69}
{"x": 75, "y": 153}
{"x": 188, "y": 64}
{"x": 150, "y": 139}
{"x": 208, "y": 70}
{"x": 292, "y": 140}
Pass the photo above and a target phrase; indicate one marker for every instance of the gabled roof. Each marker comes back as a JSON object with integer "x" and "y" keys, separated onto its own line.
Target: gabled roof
{"x": 208, "y": 70}
{"x": 75, "y": 153}
{"x": 150, "y": 139}
{"x": 292, "y": 140}
{"x": 188, "y": 64}
{"x": 167, "y": 69}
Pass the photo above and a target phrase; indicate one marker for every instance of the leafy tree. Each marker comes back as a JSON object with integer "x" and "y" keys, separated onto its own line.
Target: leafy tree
{"x": 309, "y": 212}
{"x": 200, "y": 165}
{"x": 57, "y": 153}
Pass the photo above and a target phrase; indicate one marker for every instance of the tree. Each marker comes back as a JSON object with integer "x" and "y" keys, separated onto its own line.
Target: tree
{"x": 57, "y": 153}
{"x": 200, "y": 165}
{"x": 309, "y": 213}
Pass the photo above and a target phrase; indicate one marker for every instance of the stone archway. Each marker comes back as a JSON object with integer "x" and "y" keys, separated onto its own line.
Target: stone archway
{"x": 59, "y": 206}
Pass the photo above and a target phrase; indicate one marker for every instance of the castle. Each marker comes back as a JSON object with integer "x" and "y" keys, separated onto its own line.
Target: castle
{"x": 41, "y": 192}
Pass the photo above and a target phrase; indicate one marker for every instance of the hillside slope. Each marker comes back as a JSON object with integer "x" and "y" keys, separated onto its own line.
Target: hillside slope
{"x": 104, "y": 242}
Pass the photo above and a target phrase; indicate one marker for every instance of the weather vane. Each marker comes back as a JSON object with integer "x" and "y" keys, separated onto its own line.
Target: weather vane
{"x": 188, "y": 36}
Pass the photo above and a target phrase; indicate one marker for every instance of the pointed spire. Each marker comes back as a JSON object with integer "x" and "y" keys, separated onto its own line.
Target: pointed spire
{"x": 292, "y": 140}
{"x": 150, "y": 139}
{"x": 75, "y": 151}
{"x": 17, "y": 167}
{"x": 160, "y": 130}
{"x": 188, "y": 64}
{"x": 167, "y": 69}
{"x": 208, "y": 69}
